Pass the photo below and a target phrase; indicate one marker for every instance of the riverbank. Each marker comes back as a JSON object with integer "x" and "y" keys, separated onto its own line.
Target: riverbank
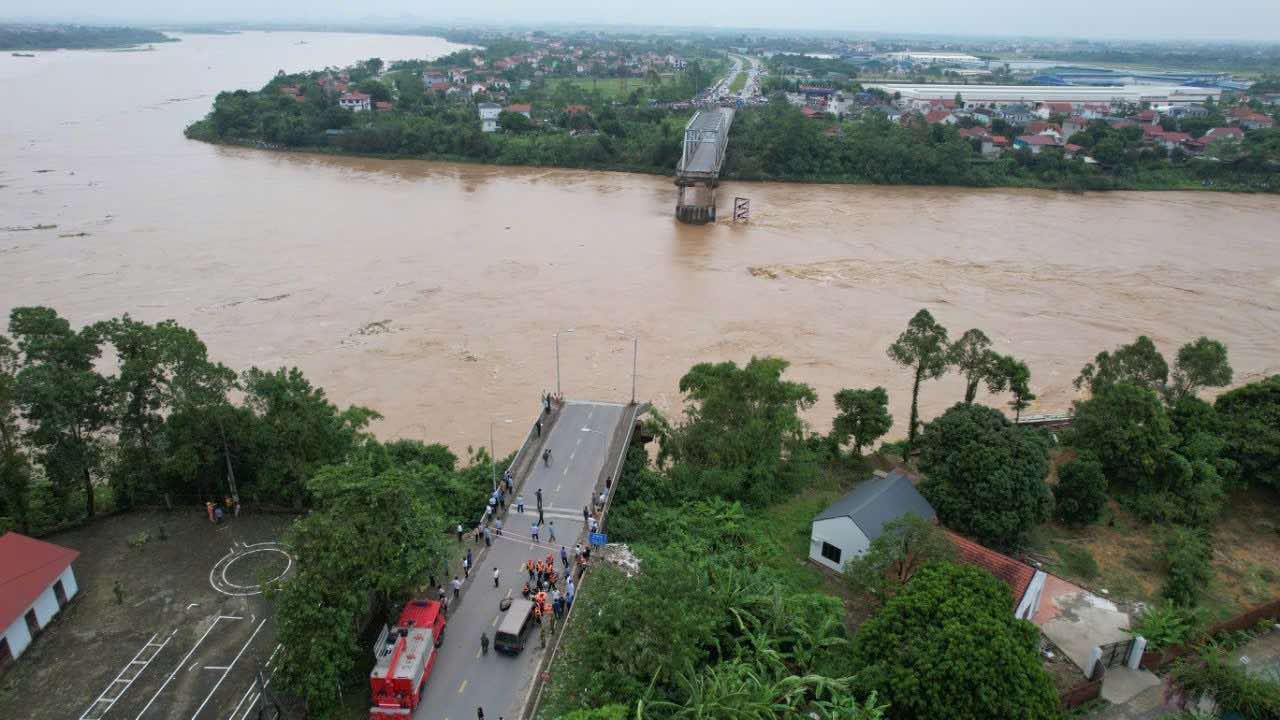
{"x": 776, "y": 142}
{"x": 992, "y": 179}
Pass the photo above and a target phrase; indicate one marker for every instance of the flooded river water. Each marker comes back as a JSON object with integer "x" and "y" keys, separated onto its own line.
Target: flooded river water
{"x": 432, "y": 291}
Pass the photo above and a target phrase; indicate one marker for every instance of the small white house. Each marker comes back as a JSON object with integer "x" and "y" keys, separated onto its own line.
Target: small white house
{"x": 355, "y": 101}
{"x": 489, "y": 116}
{"x": 845, "y": 530}
{"x": 36, "y": 582}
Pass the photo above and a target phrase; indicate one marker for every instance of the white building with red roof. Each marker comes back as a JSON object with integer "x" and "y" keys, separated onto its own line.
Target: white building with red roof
{"x": 36, "y": 582}
{"x": 355, "y": 101}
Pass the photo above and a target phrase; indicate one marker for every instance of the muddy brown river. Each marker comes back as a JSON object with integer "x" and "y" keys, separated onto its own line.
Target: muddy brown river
{"x": 432, "y": 291}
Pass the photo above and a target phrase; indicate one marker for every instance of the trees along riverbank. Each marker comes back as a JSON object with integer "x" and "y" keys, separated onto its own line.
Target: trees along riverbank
{"x": 577, "y": 128}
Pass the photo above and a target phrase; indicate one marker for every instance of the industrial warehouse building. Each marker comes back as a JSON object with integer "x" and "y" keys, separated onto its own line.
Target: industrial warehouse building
{"x": 36, "y": 582}
{"x": 1001, "y": 95}
{"x": 845, "y": 530}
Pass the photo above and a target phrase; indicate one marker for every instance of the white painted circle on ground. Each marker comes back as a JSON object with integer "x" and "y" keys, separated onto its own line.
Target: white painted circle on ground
{"x": 218, "y": 574}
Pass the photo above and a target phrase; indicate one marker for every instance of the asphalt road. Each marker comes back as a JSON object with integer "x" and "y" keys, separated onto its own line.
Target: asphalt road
{"x": 463, "y": 679}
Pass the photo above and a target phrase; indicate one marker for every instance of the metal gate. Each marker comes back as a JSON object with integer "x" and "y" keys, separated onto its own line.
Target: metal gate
{"x": 1115, "y": 654}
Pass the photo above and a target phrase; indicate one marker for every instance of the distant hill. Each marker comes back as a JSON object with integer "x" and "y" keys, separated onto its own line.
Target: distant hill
{"x": 75, "y": 37}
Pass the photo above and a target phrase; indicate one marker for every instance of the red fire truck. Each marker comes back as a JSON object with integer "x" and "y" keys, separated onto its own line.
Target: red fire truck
{"x": 404, "y": 656}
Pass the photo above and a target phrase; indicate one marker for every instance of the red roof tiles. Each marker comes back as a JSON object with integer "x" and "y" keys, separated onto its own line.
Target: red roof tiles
{"x": 1015, "y": 574}
{"x": 27, "y": 567}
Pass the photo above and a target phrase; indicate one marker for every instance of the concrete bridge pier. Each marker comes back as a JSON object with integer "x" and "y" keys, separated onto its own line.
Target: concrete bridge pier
{"x": 696, "y": 202}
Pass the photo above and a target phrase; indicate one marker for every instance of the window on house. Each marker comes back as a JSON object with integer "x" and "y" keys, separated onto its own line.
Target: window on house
{"x": 6, "y": 655}
{"x": 33, "y": 625}
{"x": 831, "y": 552}
{"x": 60, "y": 593}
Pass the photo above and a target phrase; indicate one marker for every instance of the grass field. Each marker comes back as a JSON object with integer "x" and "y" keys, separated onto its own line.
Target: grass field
{"x": 610, "y": 88}
{"x": 739, "y": 82}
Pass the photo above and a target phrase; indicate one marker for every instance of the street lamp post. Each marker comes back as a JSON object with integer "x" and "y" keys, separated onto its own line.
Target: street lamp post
{"x": 570, "y": 330}
{"x": 493, "y": 455}
{"x": 635, "y": 354}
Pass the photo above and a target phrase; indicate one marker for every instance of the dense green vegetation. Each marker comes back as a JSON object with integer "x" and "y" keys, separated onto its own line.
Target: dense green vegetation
{"x": 161, "y": 424}
{"x": 635, "y": 130}
{"x": 777, "y": 142}
{"x": 75, "y": 37}
{"x": 377, "y": 529}
{"x": 947, "y": 646}
{"x": 984, "y": 475}
{"x": 721, "y": 621}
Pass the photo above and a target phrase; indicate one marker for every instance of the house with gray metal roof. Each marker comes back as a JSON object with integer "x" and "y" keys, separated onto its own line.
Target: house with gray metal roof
{"x": 845, "y": 529}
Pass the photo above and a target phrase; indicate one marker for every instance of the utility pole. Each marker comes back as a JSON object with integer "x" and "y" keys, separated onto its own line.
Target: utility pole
{"x": 231, "y": 474}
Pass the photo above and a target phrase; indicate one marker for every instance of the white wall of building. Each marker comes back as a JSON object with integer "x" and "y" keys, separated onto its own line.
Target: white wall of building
{"x": 840, "y": 532}
{"x": 46, "y": 607}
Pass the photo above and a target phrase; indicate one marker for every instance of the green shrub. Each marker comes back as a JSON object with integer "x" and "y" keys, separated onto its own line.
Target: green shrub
{"x": 1081, "y": 492}
{"x": 1187, "y": 553}
{"x": 1167, "y": 624}
{"x": 1229, "y": 685}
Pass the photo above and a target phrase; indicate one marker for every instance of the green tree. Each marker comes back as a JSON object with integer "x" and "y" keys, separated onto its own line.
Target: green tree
{"x": 1125, "y": 426}
{"x": 922, "y": 348}
{"x": 1187, "y": 556}
{"x": 905, "y": 545}
{"x": 373, "y": 534}
{"x": 514, "y": 122}
{"x": 1200, "y": 364}
{"x": 985, "y": 476}
{"x": 973, "y": 357}
{"x": 297, "y": 430}
{"x": 863, "y": 416}
{"x": 921, "y": 651}
{"x": 15, "y": 469}
{"x": 161, "y": 366}
{"x": 1139, "y": 364}
{"x": 65, "y": 402}
{"x": 1250, "y": 418}
{"x": 1081, "y": 492}
{"x": 1014, "y": 375}
{"x": 742, "y": 437}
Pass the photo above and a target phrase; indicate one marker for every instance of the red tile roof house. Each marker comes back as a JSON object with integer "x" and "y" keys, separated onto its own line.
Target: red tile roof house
{"x": 1035, "y": 142}
{"x": 524, "y": 109}
{"x": 36, "y": 582}
{"x": 1076, "y": 620}
{"x": 940, "y": 116}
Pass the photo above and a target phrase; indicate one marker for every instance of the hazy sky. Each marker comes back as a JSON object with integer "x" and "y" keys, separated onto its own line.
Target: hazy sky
{"x": 1223, "y": 19}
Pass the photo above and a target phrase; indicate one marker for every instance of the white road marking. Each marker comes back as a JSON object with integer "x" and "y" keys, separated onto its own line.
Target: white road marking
{"x": 181, "y": 664}
{"x": 217, "y": 667}
{"x": 102, "y": 698}
{"x": 462, "y": 687}
{"x": 252, "y": 683}
{"x": 226, "y": 672}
